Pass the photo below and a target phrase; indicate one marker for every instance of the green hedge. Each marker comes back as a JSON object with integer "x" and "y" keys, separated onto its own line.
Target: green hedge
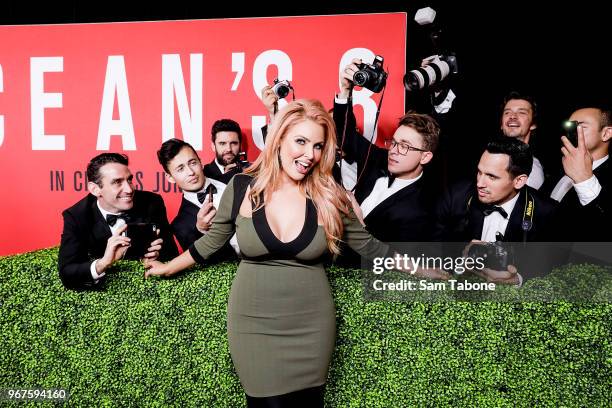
{"x": 163, "y": 343}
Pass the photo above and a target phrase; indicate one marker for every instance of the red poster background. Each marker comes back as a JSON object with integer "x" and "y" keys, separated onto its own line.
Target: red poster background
{"x": 32, "y": 202}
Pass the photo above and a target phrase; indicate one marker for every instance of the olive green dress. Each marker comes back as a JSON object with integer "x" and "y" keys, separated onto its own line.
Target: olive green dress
{"x": 281, "y": 320}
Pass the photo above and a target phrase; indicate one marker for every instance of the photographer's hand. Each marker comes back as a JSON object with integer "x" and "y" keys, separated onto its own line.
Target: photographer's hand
{"x": 154, "y": 248}
{"x": 116, "y": 246}
{"x": 229, "y": 167}
{"x": 507, "y": 277}
{"x": 270, "y": 100}
{"x": 577, "y": 161}
{"x": 205, "y": 216}
{"x": 346, "y": 78}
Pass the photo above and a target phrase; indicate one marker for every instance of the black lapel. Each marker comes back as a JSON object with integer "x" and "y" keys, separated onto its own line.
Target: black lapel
{"x": 514, "y": 230}
{"x": 100, "y": 231}
{"x": 399, "y": 199}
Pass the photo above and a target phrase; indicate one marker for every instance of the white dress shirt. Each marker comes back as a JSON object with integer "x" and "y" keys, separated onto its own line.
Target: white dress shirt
{"x": 587, "y": 190}
{"x": 120, "y": 222}
{"x": 381, "y": 192}
{"x": 536, "y": 176}
{"x": 495, "y": 222}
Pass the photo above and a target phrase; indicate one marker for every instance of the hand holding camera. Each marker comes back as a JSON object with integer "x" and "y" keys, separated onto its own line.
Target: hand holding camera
{"x": 116, "y": 247}
{"x": 498, "y": 261}
{"x": 577, "y": 161}
{"x": 270, "y": 100}
{"x": 282, "y": 88}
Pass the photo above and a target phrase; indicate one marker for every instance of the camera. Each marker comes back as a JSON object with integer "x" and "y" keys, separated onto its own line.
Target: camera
{"x": 371, "y": 76}
{"x": 242, "y": 161}
{"x": 571, "y": 130}
{"x": 496, "y": 256}
{"x": 141, "y": 235}
{"x": 281, "y": 88}
{"x": 436, "y": 68}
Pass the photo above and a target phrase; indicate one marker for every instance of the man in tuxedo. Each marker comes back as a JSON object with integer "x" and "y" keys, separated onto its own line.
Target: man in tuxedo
{"x": 499, "y": 206}
{"x": 93, "y": 236}
{"x": 584, "y": 192}
{"x": 519, "y": 120}
{"x": 201, "y": 195}
{"x": 226, "y": 142}
{"x": 390, "y": 188}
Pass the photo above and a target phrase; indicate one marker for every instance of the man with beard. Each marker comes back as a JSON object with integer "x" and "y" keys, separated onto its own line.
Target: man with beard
{"x": 201, "y": 195}
{"x": 226, "y": 142}
{"x": 93, "y": 237}
{"x": 519, "y": 120}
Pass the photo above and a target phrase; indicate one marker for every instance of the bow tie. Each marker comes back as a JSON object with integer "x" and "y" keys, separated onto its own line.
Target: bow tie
{"x": 492, "y": 208}
{"x": 391, "y": 180}
{"x": 202, "y": 194}
{"x": 111, "y": 219}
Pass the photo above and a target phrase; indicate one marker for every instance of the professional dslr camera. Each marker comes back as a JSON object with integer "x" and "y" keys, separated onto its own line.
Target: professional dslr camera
{"x": 495, "y": 254}
{"x": 437, "y": 67}
{"x": 371, "y": 76}
{"x": 281, "y": 88}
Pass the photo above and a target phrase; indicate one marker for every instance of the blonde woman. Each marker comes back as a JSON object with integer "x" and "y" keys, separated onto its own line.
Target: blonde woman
{"x": 289, "y": 215}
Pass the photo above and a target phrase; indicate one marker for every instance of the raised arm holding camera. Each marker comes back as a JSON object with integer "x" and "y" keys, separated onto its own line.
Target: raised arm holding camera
{"x": 390, "y": 188}
{"x": 584, "y": 193}
{"x": 95, "y": 228}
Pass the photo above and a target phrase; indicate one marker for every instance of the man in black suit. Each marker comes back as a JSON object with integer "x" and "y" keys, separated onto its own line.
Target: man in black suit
{"x": 201, "y": 195}
{"x": 390, "y": 189}
{"x": 584, "y": 192}
{"x": 226, "y": 142}
{"x": 499, "y": 206}
{"x": 92, "y": 238}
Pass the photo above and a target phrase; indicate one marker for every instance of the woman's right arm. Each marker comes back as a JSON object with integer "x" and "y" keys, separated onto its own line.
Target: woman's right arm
{"x": 156, "y": 268}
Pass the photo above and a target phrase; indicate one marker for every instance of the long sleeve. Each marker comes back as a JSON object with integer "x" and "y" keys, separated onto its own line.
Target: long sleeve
{"x": 222, "y": 228}
{"x": 73, "y": 261}
{"x": 360, "y": 240}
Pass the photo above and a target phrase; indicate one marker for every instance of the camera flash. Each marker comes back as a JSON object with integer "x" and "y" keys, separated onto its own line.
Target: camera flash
{"x": 425, "y": 15}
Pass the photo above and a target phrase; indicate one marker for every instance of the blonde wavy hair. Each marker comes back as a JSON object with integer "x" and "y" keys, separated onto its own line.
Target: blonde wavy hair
{"x": 319, "y": 185}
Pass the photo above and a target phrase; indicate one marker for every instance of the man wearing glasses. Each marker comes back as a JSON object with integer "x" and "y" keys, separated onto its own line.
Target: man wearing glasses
{"x": 390, "y": 187}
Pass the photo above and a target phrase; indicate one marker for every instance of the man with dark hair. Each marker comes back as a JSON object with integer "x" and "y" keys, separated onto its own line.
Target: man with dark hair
{"x": 584, "y": 192}
{"x": 499, "y": 206}
{"x": 226, "y": 139}
{"x": 93, "y": 235}
{"x": 390, "y": 189}
{"x": 201, "y": 195}
{"x": 519, "y": 120}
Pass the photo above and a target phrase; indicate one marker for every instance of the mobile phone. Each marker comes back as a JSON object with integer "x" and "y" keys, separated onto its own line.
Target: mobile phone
{"x": 141, "y": 235}
{"x": 571, "y": 131}
{"x": 210, "y": 195}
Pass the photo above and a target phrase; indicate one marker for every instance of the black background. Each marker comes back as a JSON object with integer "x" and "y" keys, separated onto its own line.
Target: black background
{"x": 559, "y": 54}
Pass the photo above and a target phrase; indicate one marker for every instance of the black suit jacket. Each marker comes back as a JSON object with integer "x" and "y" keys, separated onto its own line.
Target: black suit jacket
{"x": 184, "y": 227}
{"x": 591, "y": 222}
{"x": 212, "y": 170}
{"x": 405, "y": 216}
{"x": 86, "y": 233}
{"x": 460, "y": 221}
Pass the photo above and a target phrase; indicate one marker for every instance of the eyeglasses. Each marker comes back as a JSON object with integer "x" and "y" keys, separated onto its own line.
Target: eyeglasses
{"x": 402, "y": 148}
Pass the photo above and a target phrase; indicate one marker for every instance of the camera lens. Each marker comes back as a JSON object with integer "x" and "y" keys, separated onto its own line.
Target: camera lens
{"x": 282, "y": 91}
{"x": 360, "y": 78}
{"x": 425, "y": 76}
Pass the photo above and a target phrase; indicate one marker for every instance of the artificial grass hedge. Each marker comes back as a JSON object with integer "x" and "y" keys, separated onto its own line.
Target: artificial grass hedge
{"x": 163, "y": 343}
